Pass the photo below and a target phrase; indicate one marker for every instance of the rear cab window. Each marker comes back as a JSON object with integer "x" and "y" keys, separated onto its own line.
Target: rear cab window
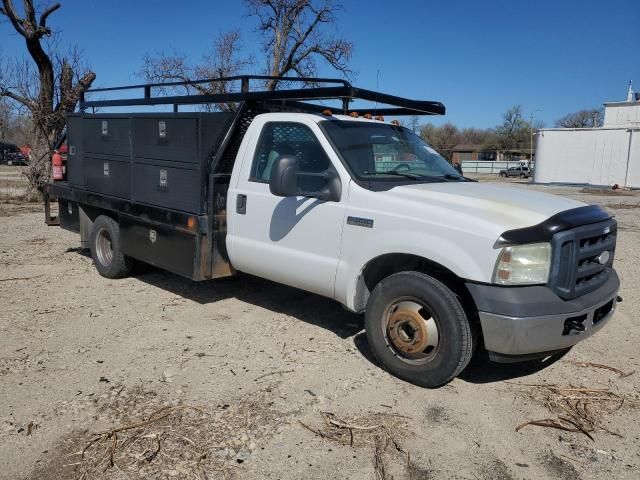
{"x": 289, "y": 138}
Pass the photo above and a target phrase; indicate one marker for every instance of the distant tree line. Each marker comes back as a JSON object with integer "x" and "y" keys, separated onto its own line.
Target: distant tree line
{"x": 512, "y": 134}
{"x": 582, "y": 119}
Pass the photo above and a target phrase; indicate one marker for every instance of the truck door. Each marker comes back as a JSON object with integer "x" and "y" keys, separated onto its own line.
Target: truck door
{"x": 291, "y": 240}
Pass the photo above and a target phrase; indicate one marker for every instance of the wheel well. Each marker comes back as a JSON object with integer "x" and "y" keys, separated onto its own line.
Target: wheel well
{"x": 95, "y": 212}
{"x": 381, "y": 267}
{"x": 88, "y": 215}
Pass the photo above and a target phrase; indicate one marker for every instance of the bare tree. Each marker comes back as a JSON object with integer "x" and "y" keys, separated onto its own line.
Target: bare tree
{"x": 414, "y": 123}
{"x": 582, "y": 119}
{"x": 443, "y": 138}
{"x": 224, "y": 60}
{"x": 49, "y": 86}
{"x": 294, "y": 37}
{"x": 514, "y": 131}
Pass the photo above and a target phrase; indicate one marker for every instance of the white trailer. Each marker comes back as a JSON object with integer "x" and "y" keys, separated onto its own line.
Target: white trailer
{"x": 591, "y": 156}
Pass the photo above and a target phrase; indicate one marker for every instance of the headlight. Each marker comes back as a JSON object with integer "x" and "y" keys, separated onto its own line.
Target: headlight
{"x": 523, "y": 265}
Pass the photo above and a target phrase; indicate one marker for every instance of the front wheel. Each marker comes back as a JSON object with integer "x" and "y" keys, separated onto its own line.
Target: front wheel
{"x": 503, "y": 175}
{"x": 418, "y": 330}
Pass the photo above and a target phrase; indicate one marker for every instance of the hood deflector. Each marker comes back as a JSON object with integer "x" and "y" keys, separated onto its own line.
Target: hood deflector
{"x": 543, "y": 231}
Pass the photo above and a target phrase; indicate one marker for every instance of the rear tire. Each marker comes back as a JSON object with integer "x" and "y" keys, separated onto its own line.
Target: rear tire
{"x": 105, "y": 249}
{"x": 418, "y": 330}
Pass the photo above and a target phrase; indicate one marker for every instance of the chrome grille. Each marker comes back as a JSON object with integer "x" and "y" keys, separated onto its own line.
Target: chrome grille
{"x": 579, "y": 264}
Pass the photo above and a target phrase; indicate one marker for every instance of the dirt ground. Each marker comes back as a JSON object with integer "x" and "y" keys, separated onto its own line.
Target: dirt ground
{"x": 258, "y": 380}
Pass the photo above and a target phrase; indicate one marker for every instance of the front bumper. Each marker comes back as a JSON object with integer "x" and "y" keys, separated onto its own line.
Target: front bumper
{"x": 521, "y": 321}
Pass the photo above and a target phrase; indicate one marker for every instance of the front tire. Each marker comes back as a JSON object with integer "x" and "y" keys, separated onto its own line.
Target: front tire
{"x": 418, "y": 330}
{"x": 105, "y": 249}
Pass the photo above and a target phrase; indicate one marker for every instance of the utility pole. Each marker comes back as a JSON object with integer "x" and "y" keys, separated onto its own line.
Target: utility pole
{"x": 531, "y": 132}
{"x": 531, "y": 149}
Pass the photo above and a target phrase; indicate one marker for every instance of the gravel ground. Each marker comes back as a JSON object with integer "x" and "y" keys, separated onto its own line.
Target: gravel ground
{"x": 260, "y": 362}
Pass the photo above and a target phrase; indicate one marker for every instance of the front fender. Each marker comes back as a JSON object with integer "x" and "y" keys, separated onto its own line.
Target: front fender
{"x": 469, "y": 256}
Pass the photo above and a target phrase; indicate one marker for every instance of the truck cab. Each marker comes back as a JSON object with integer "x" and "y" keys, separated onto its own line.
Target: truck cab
{"x": 356, "y": 209}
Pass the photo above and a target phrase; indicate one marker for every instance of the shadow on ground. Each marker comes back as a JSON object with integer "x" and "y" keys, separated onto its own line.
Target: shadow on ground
{"x": 480, "y": 369}
{"x": 319, "y": 311}
{"x": 304, "y": 306}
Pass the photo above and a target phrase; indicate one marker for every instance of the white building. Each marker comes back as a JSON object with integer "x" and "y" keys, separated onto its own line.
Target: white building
{"x": 595, "y": 156}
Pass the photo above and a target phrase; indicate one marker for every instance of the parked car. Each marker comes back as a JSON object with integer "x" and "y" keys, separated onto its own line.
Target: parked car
{"x": 520, "y": 171}
{"x": 288, "y": 191}
{"x": 10, "y": 154}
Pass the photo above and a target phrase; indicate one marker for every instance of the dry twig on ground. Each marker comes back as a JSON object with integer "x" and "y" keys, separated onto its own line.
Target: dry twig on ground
{"x": 377, "y": 431}
{"x": 601, "y": 366}
{"x": 190, "y": 440}
{"x": 577, "y": 409}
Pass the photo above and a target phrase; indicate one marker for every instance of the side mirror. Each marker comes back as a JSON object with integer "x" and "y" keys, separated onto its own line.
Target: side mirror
{"x": 285, "y": 175}
{"x": 332, "y": 190}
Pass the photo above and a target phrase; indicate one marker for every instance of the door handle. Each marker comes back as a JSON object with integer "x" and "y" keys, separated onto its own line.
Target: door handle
{"x": 241, "y": 204}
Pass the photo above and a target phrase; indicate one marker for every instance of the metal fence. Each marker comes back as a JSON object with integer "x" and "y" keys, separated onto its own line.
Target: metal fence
{"x": 488, "y": 167}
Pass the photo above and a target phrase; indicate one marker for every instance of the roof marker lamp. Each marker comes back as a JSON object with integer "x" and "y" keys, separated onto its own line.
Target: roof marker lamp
{"x": 523, "y": 265}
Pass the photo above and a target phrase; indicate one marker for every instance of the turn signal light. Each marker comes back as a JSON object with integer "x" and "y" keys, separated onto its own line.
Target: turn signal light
{"x": 368, "y": 116}
{"x": 354, "y": 114}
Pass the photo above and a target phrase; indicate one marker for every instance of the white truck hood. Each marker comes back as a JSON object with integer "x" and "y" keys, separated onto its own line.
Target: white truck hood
{"x": 506, "y": 208}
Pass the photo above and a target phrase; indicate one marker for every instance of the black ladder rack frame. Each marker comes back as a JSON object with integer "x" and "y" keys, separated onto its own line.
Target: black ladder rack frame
{"x": 294, "y": 97}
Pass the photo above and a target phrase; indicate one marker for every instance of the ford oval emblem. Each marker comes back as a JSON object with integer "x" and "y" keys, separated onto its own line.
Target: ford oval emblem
{"x": 604, "y": 257}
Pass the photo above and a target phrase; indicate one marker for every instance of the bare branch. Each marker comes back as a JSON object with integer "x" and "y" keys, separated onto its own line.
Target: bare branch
{"x": 10, "y": 12}
{"x": 30, "y": 12}
{"x": 46, "y": 13}
{"x": 293, "y": 37}
{"x": 223, "y": 61}
{"x": 18, "y": 98}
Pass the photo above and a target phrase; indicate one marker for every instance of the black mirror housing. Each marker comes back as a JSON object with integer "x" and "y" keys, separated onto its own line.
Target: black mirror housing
{"x": 285, "y": 174}
{"x": 332, "y": 190}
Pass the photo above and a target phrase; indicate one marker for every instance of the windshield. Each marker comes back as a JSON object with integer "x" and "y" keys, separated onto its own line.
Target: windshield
{"x": 379, "y": 151}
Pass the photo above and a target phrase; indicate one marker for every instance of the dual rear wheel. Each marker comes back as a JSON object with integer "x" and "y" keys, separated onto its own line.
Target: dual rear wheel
{"x": 105, "y": 249}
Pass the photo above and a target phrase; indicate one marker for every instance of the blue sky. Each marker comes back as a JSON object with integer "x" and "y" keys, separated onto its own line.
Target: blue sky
{"x": 477, "y": 57}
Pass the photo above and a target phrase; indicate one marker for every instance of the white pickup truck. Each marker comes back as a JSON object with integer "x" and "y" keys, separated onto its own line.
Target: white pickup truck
{"x": 349, "y": 207}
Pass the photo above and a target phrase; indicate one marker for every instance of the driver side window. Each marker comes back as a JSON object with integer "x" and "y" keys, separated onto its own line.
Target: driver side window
{"x": 288, "y": 138}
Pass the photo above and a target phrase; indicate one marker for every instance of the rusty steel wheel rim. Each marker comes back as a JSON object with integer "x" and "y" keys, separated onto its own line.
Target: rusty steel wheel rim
{"x": 104, "y": 248}
{"x": 411, "y": 331}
